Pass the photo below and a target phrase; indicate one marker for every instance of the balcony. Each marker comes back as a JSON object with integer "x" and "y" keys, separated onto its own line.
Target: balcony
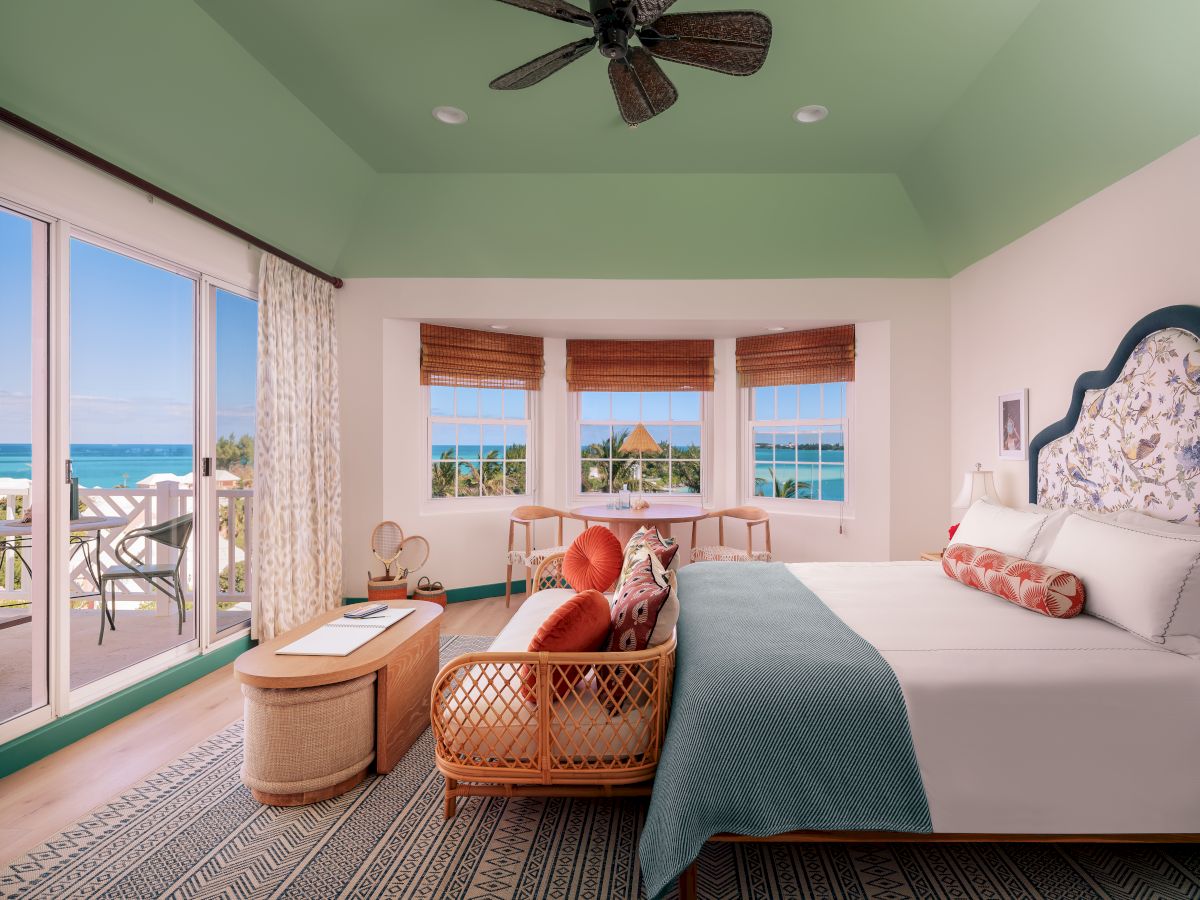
{"x": 146, "y": 619}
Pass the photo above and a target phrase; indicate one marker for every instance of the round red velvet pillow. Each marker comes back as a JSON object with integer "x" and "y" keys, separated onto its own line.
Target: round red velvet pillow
{"x": 594, "y": 560}
{"x": 578, "y": 626}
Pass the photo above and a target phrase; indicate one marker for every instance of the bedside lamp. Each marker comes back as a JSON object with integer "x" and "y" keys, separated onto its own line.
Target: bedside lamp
{"x": 977, "y": 485}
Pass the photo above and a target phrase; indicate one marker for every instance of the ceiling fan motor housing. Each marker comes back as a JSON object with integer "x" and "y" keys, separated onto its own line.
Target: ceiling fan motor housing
{"x": 615, "y": 22}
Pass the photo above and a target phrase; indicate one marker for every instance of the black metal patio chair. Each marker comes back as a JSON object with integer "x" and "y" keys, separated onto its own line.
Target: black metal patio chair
{"x": 164, "y": 577}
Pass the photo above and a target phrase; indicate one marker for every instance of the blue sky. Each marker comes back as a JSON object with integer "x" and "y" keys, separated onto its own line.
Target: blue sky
{"x": 132, "y": 337}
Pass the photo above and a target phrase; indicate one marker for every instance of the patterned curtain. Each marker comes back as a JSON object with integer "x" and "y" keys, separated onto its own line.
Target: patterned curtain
{"x": 297, "y": 479}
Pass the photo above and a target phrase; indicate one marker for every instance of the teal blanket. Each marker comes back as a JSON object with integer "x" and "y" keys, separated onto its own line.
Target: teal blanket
{"x": 783, "y": 718}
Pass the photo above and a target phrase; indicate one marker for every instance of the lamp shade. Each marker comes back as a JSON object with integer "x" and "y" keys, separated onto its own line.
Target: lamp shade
{"x": 639, "y": 441}
{"x": 977, "y": 485}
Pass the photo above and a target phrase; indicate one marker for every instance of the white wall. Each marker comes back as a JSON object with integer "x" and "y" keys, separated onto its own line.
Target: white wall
{"x": 1056, "y": 302}
{"x": 899, "y": 445}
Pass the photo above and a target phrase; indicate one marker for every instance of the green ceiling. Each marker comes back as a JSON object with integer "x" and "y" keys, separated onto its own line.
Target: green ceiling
{"x": 956, "y": 126}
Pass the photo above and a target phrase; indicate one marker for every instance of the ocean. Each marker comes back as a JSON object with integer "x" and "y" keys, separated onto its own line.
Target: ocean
{"x": 105, "y": 465}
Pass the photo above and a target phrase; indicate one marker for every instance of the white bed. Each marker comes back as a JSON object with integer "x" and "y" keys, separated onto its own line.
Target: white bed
{"x": 1025, "y": 724}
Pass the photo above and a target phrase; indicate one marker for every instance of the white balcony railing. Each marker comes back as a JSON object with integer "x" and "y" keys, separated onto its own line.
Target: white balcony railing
{"x": 147, "y": 506}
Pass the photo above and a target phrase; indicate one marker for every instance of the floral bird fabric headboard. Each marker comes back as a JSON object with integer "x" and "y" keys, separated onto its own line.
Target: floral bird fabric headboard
{"x": 1132, "y": 437}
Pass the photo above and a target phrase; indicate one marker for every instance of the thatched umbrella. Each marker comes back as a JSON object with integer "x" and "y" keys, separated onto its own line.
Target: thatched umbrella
{"x": 639, "y": 441}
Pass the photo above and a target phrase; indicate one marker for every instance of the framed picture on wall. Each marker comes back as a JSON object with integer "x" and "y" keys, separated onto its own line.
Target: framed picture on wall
{"x": 1013, "y": 413}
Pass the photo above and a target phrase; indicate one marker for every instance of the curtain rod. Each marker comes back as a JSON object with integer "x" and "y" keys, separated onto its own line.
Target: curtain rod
{"x": 60, "y": 143}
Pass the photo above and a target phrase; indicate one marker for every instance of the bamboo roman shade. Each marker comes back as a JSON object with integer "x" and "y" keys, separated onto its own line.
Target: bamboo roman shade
{"x": 640, "y": 365}
{"x": 796, "y": 357}
{"x": 486, "y": 359}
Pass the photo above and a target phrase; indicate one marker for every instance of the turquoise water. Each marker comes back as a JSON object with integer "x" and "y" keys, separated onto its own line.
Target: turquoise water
{"x": 105, "y": 465}
{"x": 782, "y": 463}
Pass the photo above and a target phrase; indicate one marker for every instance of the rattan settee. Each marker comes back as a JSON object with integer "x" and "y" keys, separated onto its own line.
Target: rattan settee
{"x": 592, "y": 724}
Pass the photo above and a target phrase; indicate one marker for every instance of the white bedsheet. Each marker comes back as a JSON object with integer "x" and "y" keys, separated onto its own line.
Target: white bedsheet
{"x": 1023, "y": 723}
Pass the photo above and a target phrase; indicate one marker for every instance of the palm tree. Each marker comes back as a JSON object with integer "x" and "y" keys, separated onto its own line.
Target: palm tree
{"x": 788, "y": 487}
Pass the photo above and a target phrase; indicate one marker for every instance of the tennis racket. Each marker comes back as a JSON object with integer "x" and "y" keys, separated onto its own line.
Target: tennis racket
{"x": 386, "y": 541}
{"x": 414, "y": 552}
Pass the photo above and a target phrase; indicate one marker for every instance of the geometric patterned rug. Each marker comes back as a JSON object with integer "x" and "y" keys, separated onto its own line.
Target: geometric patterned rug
{"x": 192, "y": 830}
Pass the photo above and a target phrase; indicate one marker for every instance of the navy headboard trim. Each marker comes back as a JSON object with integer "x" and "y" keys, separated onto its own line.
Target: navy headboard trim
{"x": 1186, "y": 317}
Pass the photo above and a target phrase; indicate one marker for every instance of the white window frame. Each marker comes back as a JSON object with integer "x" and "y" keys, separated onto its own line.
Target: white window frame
{"x": 579, "y": 497}
{"x": 62, "y": 699}
{"x": 747, "y": 461}
{"x": 503, "y": 501}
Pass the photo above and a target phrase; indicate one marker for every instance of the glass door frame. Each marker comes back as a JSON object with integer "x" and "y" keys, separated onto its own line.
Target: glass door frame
{"x": 51, "y": 490}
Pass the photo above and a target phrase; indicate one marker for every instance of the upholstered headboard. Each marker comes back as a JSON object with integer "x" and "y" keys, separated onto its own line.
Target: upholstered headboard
{"x": 1131, "y": 438}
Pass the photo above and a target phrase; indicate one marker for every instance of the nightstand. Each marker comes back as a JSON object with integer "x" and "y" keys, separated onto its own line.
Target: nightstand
{"x": 933, "y": 556}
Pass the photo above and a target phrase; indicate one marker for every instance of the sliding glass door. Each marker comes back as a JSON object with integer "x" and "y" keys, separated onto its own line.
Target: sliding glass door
{"x": 130, "y": 555}
{"x": 24, "y": 611}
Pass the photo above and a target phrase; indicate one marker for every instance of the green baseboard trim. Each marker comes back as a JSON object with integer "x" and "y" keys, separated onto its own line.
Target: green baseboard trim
{"x": 458, "y": 595}
{"x": 29, "y": 748}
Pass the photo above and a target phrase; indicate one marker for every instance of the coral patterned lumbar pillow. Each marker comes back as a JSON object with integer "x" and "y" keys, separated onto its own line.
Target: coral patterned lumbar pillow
{"x": 1044, "y": 589}
{"x": 593, "y": 560}
{"x": 580, "y": 625}
{"x": 647, "y": 540}
{"x": 635, "y": 611}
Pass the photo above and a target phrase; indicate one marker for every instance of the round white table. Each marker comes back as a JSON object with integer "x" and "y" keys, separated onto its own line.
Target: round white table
{"x": 624, "y": 522}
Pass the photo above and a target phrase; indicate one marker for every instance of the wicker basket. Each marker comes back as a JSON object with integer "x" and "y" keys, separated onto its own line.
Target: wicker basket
{"x": 602, "y": 736}
{"x": 381, "y": 589}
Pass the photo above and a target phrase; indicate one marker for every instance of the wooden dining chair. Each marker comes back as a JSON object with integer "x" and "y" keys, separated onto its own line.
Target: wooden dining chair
{"x": 752, "y": 516}
{"x": 530, "y": 557}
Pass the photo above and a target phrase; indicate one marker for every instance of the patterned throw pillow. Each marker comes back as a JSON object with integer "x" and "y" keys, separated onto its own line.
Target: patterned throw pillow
{"x": 635, "y": 611}
{"x": 1044, "y": 589}
{"x": 647, "y": 540}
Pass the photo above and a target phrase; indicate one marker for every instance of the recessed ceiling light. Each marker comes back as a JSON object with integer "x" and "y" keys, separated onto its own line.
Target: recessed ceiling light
{"x": 806, "y": 115}
{"x": 776, "y": 328}
{"x": 449, "y": 115}
{"x": 499, "y": 328}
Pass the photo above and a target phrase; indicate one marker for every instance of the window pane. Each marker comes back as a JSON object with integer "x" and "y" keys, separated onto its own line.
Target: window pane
{"x": 662, "y": 437}
{"x": 685, "y": 441}
{"x": 806, "y": 482}
{"x": 835, "y": 401}
{"x": 594, "y": 441}
{"x": 490, "y": 403}
{"x": 656, "y": 406}
{"x": 764, "y": 404}
{"x": 654, "y": 476}
{"x": 785, "y": 402}
{"x": 594, "y": 406}
{"x": 785, "y": 481}
{"x": 810, "y": 401}
{"x": 467, "y": 403}
{"x": 764, "y": 480}
{"x": 833, "y": 482}
{"x": 517, "y": 447}
{"x": 443, "y": 479}
{"x": 624, "y": 474}
{"x": 685, "y": 406}
{"x": 514, "y": 404}
{"x": 493, "y": 479}
{"x": 468, "y": 479}
{"x": 469, "y": 438}
{"x": 444, "y": 439}
{"x": 514, "y": 478}
{"x": 441, "y": 401}
{"x": 493, "y": 442}
{"x": 764, "y": 444}
{"x": 833, "y": 445}
{"x": 808, "y": 445}
{"x": 685, "y": 477}
{"x": 620, "y": 434}
{"x": 593, "y": 477}
{"x": 627, "y": 406}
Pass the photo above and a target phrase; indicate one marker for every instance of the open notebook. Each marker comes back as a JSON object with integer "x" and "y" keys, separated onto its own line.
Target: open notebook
{"x": 343, "y": 636}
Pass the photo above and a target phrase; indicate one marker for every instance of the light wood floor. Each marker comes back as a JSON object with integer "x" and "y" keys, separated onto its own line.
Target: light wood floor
{"x": 47, "y": 796}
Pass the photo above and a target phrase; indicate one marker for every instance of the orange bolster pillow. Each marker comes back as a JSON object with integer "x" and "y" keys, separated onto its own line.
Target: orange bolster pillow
{"x": 1044, "y": 589}
{"x": 593, "y": 560}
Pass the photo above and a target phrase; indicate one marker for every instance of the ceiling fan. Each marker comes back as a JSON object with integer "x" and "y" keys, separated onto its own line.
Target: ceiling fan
{"x": 734, "y": 43}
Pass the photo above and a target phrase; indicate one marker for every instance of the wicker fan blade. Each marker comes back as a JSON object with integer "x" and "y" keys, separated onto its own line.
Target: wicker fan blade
{"x": 556, "y": 9}
{"x": 641, "y": 87}
{"x": 649, "y": 10}
{"x": 543, "y": 67}
{"x": 735, "y": 43}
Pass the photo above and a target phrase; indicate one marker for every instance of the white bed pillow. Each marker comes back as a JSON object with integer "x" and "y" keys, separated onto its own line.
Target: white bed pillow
{"x": 1143, "y": 522}
{"x": 1145, "y": 581}
{"x": 1009, "y": 531}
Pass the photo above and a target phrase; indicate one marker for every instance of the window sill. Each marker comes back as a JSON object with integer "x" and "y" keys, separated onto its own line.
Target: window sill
{"x": 808, "y": 509}
{"x": 465, "y": 505}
